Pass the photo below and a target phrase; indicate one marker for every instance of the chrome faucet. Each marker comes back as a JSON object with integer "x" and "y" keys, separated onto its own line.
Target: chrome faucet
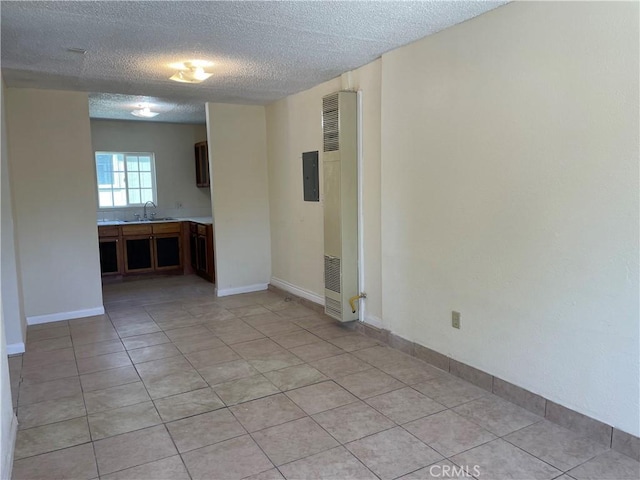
{"x": 145, "y": 210}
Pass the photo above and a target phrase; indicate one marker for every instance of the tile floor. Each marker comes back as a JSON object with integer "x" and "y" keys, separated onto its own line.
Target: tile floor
{"x": 173, "y": 383}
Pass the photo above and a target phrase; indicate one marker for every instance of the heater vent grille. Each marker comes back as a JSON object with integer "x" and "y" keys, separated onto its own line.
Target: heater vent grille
{"x": 332, "y": 308}
{"x": 332, "y": 273}
{"x": 330, "y": 124}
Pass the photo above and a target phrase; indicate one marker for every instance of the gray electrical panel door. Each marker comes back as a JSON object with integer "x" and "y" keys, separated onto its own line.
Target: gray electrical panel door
{"x": 310, "y": 176}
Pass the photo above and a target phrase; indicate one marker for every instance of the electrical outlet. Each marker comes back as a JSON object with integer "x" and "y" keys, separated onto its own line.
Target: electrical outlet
{"x": 178, "y": 205}
{"x": 455, "y": 319}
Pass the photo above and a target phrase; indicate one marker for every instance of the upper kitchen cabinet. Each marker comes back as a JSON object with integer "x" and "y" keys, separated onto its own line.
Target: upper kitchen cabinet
{"x": 202, "y": 164}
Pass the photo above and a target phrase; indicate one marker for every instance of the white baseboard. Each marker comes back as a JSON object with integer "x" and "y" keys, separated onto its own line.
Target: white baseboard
{"x": 15, "y": 348}
{"x": 373, "y": 320}
{"x": 300, "y": 292}
{"x": 56, "y": 317}
{"x": 7, "y": 453}
{"x": 224, "y": 292}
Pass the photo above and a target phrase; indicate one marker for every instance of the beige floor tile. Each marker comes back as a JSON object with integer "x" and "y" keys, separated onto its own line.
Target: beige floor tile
{"x": 174, "y": 384}
{"x": 295, "y": 377}
{"x": 240, "y": 335}
{"x": 95, "y": 349}
{"x": 97, "y": 336}
{"x": 47, "y": 438}
{"x": 351, "y": 343}
{"x": 103, "y": 362}
{"x": 331, "y": 331}
{"x": 278, "y": 328}
{"x": 147, "y": 340}
{"x": 35, "y": 359}
{"x": 245, "y": 389}
{"x": 108, "y": 378}
{"x": 187, "y": 332}
{"x": 296, "y": 339}
{"x": 47, "y": 373}
{"x": 205, "y": 429}
{"x": 266, "y": 412}
{"x": 609, "y": 465}
{"x": 404, "y": 405}
{"x": 50, "y": 344}
{"x": 314, "y": 321}
{"x": 53, "y": 331}
{"x": 196, "y": 344}
{"x": 122, "y": 420}
{"x": 248, "y": 310}
{"x": 116, "y": 397}
{"x": 448, "y": 433}
{"x": 225, "y": 372}
{"x": 320, "y": 397}
{"x": 393, "y": 453}
{"x": 340, "y": 365}
{"x": 496, "y": 415}
{"x": 369, "y": 383}
{"x": 316, "y": 351}
{"x": 41, "y": 392}
{"x": 220, "y": 461}
{"x": 44, "y": 326}
{"x": 294, "y": 440}
{"x": 272, "y": 474}
{"x": 133, "y": 449}
{"x": 275, "y": 361}
{"x": 188, "y": 404}
{"x": 162, "y": 367}
{"x": 502, "y": 461}
{"x": 138, "y": 328}
{"x": 170, "y": 468}
{"x": 51, "y": 411}
{"x": 556, "y": 445}
{"x": 450, "y": 391}
{"x": 155, "y": 352}
{"x": 257, "y": 348}
{"x": 214, "y": 356}
{"x": 412, "y": 371}
{"x": 182, "y": 321}
{"x": 73, "y": 463}
{"x": 353, "y": 421}
{"x": 336, "y": 463}
{"x": 294, "y": 310}
{"x": 382, "y": 356}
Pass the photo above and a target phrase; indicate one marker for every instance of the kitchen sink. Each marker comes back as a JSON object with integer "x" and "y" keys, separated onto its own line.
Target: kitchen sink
{"x": 142, "y": 220}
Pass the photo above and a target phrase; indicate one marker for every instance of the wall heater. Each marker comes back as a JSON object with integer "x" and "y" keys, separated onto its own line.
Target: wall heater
{"x": 339, "y": 128}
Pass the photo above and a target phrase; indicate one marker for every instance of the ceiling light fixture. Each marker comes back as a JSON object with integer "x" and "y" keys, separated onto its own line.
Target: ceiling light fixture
{"x": 191, "y": 72}
{"x": 144, "y": 112}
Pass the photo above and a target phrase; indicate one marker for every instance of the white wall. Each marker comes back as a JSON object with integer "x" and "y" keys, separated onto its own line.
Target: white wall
{"x": 15, "y": 322}
{"x": 297, "y": 243}
{"x": 8, "y": 303}
{"x": 172, "y": 145}
{"x": 52, "y": 176}
{"x": 510, "y": 193}
{"x": 238, "y": 166}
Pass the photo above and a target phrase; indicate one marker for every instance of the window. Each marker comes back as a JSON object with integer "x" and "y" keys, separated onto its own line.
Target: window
{"x": 125, "y": 179}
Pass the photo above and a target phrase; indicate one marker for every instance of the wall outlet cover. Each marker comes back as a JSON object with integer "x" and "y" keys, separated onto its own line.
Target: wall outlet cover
{"x": 455, "y": 319}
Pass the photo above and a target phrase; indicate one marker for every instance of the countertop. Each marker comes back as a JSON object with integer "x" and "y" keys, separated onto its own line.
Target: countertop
{"x": 203, "y": 220}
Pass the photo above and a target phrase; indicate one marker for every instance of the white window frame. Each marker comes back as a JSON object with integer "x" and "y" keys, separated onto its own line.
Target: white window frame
{"x": 154, "y": 191}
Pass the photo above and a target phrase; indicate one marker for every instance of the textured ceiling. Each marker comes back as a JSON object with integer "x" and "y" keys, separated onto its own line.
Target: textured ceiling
{"x": 263, "y": 51}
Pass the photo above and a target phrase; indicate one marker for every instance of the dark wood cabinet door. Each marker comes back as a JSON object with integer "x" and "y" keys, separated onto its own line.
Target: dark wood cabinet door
{"x": 168, "y": 255}
{"x": 110, "y": 256}
{"x": 138, "y": 253}
{"x": 202, "y": 164}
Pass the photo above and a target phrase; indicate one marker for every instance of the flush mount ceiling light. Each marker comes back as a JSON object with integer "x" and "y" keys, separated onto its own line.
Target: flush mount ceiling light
{"x": 191, "y": 72}
{"x": 144, "y": 111}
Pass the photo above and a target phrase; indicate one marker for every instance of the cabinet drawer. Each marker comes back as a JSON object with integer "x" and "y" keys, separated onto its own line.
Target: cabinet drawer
{"x": 166, "y": 227}
{"x": 202, "y": 229}
{"x": 136, "y": 229}
{"x": 110, "y": 231}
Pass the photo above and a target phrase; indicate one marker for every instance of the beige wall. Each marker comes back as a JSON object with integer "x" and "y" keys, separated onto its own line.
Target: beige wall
{"x": 297, "y": 242}
{"x": 15, "y": 325}
{"x": 504, "y": 186}
{"x": 52, "y": 176}
{"x": 172, "y": 145}
{"x": 238, "y": 166}
{"x": 510, "y": 194}
{"x": 8, "y": 421}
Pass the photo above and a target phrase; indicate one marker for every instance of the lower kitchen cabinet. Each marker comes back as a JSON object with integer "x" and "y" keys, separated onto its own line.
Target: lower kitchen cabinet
{"x": 201, "y": 244}
{"x": 138, "y": 254}
{"x": 110, "y": 256}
